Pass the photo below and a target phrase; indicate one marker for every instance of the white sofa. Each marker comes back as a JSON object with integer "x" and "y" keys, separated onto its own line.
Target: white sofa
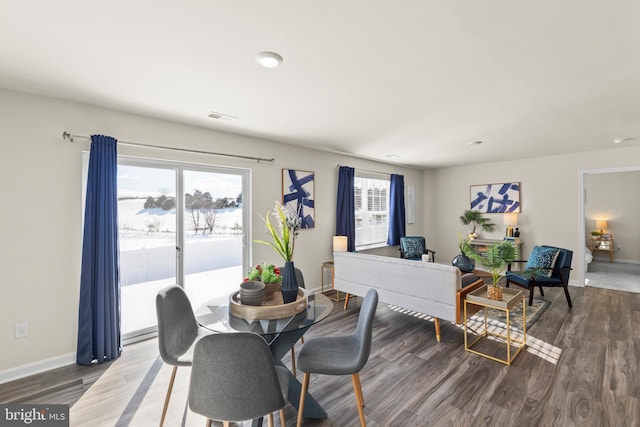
{"x": 425, "y": 287}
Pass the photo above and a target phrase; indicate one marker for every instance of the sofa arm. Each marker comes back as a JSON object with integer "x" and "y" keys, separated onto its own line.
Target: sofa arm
{"x": 461, "y": 294}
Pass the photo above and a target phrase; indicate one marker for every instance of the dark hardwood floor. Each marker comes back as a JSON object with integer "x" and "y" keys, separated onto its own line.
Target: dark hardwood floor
{"x": 582, "y": 368}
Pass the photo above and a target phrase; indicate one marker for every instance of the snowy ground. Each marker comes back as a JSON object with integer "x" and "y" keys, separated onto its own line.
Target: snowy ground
{"x": 136, "y": 222}
{"x": 142, "y": 229}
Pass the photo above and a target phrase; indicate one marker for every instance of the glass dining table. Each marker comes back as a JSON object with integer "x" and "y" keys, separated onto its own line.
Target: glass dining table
{"x": 281, "y": 335}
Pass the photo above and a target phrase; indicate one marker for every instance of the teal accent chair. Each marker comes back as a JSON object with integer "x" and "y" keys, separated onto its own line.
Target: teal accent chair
{"x": 413, "y": 247}
{"x": 534, "y": 275}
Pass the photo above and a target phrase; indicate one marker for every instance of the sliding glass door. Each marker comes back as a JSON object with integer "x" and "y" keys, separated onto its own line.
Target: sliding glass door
{"x": 212, "y": 231}
{"x": 179, "y": 224}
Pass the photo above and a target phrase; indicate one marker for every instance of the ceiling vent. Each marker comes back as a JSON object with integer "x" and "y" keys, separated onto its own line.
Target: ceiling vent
{"x": 223, "y": 117}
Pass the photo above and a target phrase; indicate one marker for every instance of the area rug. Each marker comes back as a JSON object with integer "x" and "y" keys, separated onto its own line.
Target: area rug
{"x": 499, "y": 317}
{"x": 496, "y": 318}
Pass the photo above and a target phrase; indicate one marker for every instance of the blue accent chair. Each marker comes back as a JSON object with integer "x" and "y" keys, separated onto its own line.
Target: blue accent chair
{"x": 559, "y": 275}
{"x": 413, "y": 247}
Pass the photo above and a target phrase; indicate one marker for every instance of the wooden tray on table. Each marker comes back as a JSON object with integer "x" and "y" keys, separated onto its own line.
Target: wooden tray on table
{"x": 269, "y": 310}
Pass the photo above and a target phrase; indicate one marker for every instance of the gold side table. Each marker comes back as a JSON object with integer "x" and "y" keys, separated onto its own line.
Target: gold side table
{"x": 328, "y": 274}
{"x": 510, "y": 298}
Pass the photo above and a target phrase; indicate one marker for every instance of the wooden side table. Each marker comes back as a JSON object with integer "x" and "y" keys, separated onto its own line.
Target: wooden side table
{"x": 510, "y": 298}
{"x": 603, "y": 244}
{"x": 328, "y": 274}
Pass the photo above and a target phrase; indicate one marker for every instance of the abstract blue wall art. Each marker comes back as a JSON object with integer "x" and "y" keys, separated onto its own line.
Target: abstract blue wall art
{"x": 496, "y": 198}
{"x": 297, "y": 193}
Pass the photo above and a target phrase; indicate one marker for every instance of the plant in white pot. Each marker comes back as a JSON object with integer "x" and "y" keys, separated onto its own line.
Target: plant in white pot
{"x": 475, "y": 220}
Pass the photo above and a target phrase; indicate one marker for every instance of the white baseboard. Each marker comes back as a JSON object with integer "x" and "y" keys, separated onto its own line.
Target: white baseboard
{"x": 37, "y": 367}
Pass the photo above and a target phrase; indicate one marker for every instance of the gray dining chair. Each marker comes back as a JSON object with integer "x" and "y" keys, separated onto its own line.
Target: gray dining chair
{"x": 178, "y": 332}
{"x": 340, "y": 355}
{"x": 234, "y": 378}
{"x": 300, "y": 279}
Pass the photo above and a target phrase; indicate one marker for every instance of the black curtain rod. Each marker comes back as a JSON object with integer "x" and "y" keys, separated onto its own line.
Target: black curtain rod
{"x": 68, "y": 136}
{"x": 366, "y": 170}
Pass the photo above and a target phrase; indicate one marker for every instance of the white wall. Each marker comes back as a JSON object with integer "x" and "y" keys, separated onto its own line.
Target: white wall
{"x": 42, "y": 204}
{"x": 549, "y": 196}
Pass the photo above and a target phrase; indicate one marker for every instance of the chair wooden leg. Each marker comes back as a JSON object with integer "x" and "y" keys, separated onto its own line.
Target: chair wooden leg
{"x": 355, "y": 379}
{"x": 270, "y": 420}
{"x": 437, "y": 323}
{"x": 209, "y": 422}
{"x": 283, "y": 422}
{"x": 531, "y": 294}
{"x": 566, "y": 294}
{"x": 224, "y": 424}
{"x": 293, "y": 361}
{"x": 303, "y": 393}
{"x": 166, "y": 399}
{"x": 346, "y": 301}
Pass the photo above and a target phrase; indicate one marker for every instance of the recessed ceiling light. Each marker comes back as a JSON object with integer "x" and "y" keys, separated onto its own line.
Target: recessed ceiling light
{"x": 391, "y": 156}
{"x": 269, "y": 59}
{"x": 474, "y": 143}
{"x": 621, "y": 140}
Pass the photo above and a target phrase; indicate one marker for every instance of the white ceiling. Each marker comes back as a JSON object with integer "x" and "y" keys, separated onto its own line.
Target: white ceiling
{"x": 416, "y": 79}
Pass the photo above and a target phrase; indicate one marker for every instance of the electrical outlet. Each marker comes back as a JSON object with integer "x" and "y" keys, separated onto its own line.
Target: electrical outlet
{"x": 619, "y": 248}
{"x": 22, "y": 329}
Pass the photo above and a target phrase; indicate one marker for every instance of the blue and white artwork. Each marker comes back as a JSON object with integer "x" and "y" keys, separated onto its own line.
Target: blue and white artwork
{"x": 496, "y": 198}
{"x": 297, "y": 193}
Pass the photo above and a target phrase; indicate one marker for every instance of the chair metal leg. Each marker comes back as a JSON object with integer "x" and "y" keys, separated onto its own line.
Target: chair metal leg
{"x": 166, "y": 399}
{"x": 303, "y": 392}
{"x": 355, "y": 379}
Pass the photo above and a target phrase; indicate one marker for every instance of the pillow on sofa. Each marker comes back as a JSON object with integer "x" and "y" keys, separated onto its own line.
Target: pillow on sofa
{"x": 544, "y": 259}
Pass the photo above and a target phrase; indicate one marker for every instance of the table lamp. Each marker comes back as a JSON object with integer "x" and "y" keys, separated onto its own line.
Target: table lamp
{"x": 602, "y": 225}
{"x": 510, "y": 219}
{"x": 340, "y": 243}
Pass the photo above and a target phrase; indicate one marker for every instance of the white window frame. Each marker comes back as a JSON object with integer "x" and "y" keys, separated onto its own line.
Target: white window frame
{"x": 368, "y": 236}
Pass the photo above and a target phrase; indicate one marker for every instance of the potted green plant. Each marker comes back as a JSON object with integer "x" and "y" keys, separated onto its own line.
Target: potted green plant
{"x": 495, "y": 259}
{"x": 268, "y": 274}
{"x": 595, "y": 235}
{"x": 474, "y": 220}
{"x": 287, "y": 227}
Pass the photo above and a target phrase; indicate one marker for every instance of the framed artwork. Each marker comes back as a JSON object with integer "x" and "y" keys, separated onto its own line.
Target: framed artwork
{"x": 298, "y": 194}
{"x": 496, "y": 198}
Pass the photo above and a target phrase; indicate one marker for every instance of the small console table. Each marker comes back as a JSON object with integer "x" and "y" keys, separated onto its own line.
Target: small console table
{"x": 328, "y": 275}
{"x": 480, "y": 245}
{"x": 603, "y": 244}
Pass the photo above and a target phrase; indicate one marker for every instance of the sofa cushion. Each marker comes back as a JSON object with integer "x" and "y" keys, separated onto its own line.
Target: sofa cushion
{"x": 543, "y": 258}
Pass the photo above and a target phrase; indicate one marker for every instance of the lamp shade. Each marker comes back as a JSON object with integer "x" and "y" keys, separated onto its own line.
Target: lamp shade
{"x": 601, "y": 224}
{"x": 339, "y": 243}
{"x": 510, "y": 219}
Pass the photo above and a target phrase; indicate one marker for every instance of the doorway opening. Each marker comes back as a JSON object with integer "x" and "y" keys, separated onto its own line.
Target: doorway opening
{"x": 610, "y": 239}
